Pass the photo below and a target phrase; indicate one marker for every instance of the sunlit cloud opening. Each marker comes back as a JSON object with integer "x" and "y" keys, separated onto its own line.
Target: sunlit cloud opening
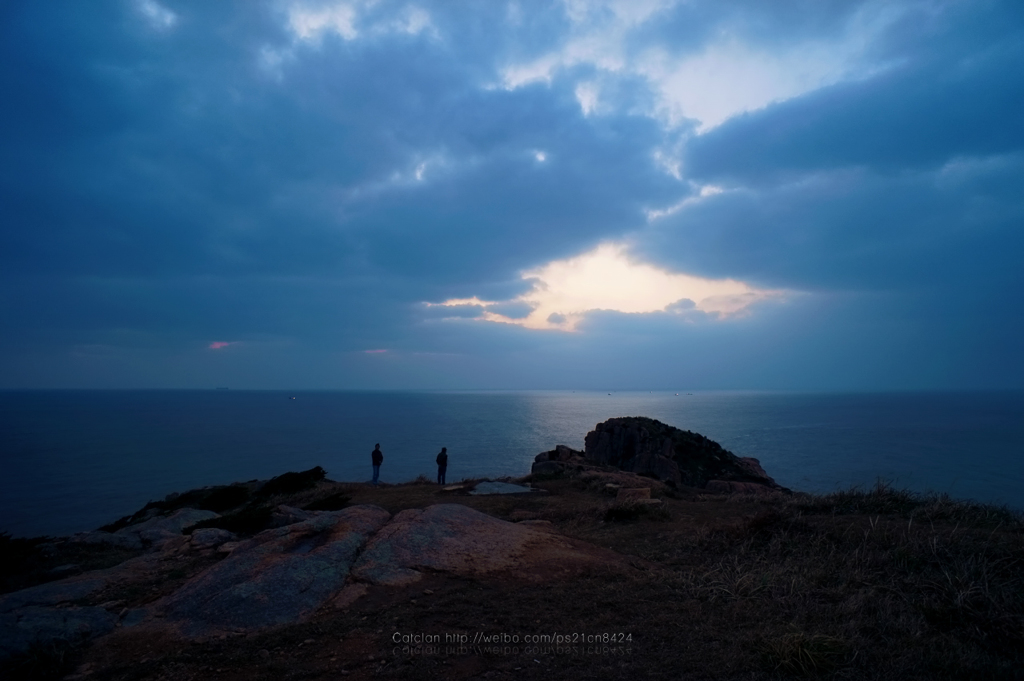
{"x": 606, "y": 278}
{"x": 220, "y": 345}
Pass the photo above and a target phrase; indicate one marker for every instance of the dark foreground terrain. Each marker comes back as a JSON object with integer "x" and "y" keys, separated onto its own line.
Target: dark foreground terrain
{"x": 876, "y": 584}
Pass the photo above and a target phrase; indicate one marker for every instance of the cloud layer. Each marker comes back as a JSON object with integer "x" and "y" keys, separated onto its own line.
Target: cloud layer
{"x": 787, "y": 195}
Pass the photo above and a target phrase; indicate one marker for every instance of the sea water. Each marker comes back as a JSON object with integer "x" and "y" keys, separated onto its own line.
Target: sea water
{"x": 74, "y": 460}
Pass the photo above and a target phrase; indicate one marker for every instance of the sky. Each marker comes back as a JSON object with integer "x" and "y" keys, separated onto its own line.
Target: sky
{"x": 604, "y": 195}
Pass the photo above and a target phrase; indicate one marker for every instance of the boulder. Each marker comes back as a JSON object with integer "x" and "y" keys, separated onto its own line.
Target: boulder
{"x": 547, "y": 468}
{"x": 560, "y": 453}
{"x": 678, "y": 457}
{"x": 279, "y": 576}
{"x": 556, "y": 461}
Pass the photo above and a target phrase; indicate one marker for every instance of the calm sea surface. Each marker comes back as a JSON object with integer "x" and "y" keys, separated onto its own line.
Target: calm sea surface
{"x": 74, "y": 460}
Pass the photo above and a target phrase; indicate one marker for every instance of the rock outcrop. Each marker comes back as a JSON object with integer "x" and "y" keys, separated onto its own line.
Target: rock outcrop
{"x": 34, "y": 624}
{"x": 285, "y": 575}
{"x": 278, "y": 576}
{"x": 148, "y": 533}
{"x": 54, "y": 611}
{"x": 449, "y": 538}
{"x": 678, "y": 457}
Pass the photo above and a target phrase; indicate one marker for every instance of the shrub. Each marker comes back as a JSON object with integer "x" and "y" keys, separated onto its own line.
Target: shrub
{"x": 290, "y": 483}
{"x": 222, "y": 499}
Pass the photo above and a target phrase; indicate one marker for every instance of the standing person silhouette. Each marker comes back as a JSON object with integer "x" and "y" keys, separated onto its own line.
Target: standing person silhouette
{"x": 377, "y": 457}
{"x": 442, "y": 465}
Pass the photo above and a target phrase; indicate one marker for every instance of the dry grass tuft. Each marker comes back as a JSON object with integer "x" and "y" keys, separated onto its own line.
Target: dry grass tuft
{"x": 802, "y": 654}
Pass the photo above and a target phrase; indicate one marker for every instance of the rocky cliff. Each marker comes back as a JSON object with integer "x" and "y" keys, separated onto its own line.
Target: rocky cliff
{"x": 678, "y": 457}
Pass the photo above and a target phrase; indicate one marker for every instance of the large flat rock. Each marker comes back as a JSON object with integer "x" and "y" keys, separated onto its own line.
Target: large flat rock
{"x": 277, "y": 577}
{"x": 456, "y": 539}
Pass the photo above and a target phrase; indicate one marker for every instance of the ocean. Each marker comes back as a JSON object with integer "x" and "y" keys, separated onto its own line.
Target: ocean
{"x": 75, "y": 460}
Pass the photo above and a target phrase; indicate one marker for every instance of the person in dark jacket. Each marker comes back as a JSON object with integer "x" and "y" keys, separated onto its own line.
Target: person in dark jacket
{"x": 377, "y": 457}
{"x": 442, "y": 465}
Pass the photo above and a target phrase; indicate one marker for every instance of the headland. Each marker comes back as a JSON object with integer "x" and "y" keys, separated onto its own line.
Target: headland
{"x": 653, "y": 552}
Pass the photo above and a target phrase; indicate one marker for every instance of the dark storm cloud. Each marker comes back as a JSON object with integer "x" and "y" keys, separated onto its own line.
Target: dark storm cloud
{"x": 912, "y": 117}
{"x": 209, "y": 165}
{"x": 164, "y": 184}
{"x": 856, "y": 229}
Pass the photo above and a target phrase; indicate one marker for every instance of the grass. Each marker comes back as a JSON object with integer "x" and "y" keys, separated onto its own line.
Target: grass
{"x": 802, "y": 654}
{"x": 634, "y": 510}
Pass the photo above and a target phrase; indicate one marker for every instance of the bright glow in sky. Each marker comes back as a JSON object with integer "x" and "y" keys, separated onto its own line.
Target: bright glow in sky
{"x": 606, "y": 278}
